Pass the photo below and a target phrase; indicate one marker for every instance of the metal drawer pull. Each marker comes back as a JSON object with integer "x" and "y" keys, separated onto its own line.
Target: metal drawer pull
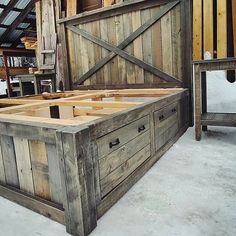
{"x": 161, "y": 117}
{"x": 141, "y": 128}
{"x": 173, "y": 110}
{"x": 114, "y": 143}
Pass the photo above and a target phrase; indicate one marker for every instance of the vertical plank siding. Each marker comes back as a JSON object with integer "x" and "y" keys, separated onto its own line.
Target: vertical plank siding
{"x": 156, "y": 47}
{"x": 210, "y": 29}
{"x": 32, "y": 166}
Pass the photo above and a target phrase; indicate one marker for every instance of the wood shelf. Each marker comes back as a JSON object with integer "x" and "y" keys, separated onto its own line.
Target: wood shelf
{"x": 219, "y": 119}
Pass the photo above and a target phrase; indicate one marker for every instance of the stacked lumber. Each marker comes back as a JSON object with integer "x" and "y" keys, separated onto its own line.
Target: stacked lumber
{"x": 29, "y": 42}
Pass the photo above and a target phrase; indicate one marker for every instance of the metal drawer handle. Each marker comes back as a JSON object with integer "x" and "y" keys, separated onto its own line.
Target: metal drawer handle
{"x": 114, "y": 143}
{"x": 173, "y": 110}
{"x": 141, "y": 128}
{"x": 161, "y": 117}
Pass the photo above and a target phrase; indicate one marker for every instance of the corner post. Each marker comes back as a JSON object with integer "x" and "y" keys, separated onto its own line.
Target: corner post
{"x": 198, "y": 103}
{"x": 76, "y": 152}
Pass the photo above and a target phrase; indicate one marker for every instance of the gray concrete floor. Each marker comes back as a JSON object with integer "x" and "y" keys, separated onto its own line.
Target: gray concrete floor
{"x": 190, "y": 191}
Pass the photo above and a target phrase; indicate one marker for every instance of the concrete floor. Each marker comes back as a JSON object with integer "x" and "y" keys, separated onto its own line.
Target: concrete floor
{"x": 190, "y": 191}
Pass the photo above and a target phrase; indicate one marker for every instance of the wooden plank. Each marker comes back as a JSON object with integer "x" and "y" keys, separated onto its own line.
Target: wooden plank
{"x": 219, "y": 119}
{"x": 177, "y": 43}
{"x": 97, "y": 50}
{"x": 208, "y": 26}
{"x": 40, "y": 169}
{"x": 66, "y": 112}
{"x": 112, "y": 161}
{"x": 111, "y": 24}
{"x": 120, "y": 36}
{"x": 118, "y": 175}
{"x": 128, "y": 30}
{"x": 2, "y": 170}
{"x": 221, "y": 29}
{"x": 54, "y": 174}
{"x": 167, "y": 56}
{"x": 147, "y": 45}
{"x": 9, "y": 161}
{"x": 156, "y": 43}
{"x": 24, "y": 167}
{"x": 197, "y": 30}
{"x": 126, "y": 42}
{"x": 104, "y": 36}
{"x": 42, "y": 207}
{"x": 138, "y": 47}
{"x": 234, "y": 24}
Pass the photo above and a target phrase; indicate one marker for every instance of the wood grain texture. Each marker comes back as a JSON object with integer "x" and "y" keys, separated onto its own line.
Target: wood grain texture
{"x": 234, "y": 24}
{"x": 9, "y": 161}
{"x": 2, "y": 170}
{"x": 221, "y": 28}
{"x": 197, "y": 30}
{"x": 54, "y": 174}
{"x": 24, "y": 166}
{"x": 167, "y": 55}
{"x": 40, "y": 169}
{"x": 208, "y": 26}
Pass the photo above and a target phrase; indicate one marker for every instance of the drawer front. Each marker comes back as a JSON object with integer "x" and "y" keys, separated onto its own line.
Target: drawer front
{"x": 115, "y": 159}
{"x": 116, "y": 139}
{"x": 166, "y": 124}
{"x": 124, "y": 170}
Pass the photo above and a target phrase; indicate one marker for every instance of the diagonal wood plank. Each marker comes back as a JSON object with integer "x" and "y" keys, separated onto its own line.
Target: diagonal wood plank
{"x": 124, "y": 54}
{"x": 6, "y": 11}
{"x": 128, "y": 40}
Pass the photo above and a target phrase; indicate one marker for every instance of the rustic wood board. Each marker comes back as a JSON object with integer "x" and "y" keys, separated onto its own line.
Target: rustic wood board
{"x": 197, "y": 30}
{"x": 24, "y": 167}
{"x": 9, "y": 161}
{"x": 40, "y": 169}
{"x": 221, "y": 29}
{"x": 208, "y": 26}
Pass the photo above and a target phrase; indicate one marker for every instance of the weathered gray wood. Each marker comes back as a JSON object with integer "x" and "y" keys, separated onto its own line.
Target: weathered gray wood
{"x": 148, "y": 67}
{"x": 126, "y": 42}
{"x": 121, "y": 136}
{"x": 2, "y": 170}
{"x": 219, "y": 119}
{"x": 54, "y": 174}
{"x": 40, "y": 169}
{"x": 109, "y": 200}
{"x": 35, "y": 204}
{"x": 112, "y": 161}
{"x": 114, "y": 10}
{"x": 78, "y": 177}
{"x": 29, "y": 130}
{"x": 9, "y": 161}
{"x": 119, "y": 174}
{"x": 24, "y": 166}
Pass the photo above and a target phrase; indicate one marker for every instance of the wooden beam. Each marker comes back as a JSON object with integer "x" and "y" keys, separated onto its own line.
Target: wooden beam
{"x": 18, "y": 20}
{"x": 7, "y": 10}
{"x": 16, "y": 9}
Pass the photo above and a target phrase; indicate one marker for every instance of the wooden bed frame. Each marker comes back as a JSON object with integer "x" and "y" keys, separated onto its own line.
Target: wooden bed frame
{"x": 71, "y": 156}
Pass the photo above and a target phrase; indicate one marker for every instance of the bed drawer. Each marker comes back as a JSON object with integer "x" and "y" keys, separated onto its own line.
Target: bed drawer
{"x": 166, "y": 124}
{"x": 119, "y": 137}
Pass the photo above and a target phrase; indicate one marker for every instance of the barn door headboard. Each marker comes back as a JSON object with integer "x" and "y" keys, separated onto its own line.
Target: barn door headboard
{"x": 142, "y": 43}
